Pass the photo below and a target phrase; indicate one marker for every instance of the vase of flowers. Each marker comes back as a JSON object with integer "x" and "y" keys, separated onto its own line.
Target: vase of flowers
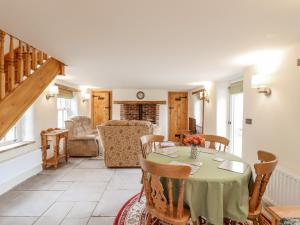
{"x": 194, "y": 142}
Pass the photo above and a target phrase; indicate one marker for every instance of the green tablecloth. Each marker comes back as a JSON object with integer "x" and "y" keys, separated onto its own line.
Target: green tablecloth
{"x": 211, "y": 192}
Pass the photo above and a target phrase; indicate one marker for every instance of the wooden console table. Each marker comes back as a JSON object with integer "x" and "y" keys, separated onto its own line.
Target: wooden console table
{"x": 54, "y": 136}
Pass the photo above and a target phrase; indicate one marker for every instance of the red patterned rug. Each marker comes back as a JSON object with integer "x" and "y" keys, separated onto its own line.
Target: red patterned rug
{"x": 133, "y": 212}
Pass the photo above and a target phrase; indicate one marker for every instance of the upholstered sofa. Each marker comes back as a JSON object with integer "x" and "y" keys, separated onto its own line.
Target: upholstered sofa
{"x": 83, "y": 140}
{"x": 120, "y": 140}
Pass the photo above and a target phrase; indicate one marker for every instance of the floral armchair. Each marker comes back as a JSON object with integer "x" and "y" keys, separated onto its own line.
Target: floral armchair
{"x": 120, "y": 140}
{"x": 83, "y": 140}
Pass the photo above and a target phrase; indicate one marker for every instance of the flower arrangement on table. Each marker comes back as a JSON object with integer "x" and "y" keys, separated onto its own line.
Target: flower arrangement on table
{"x": 194, "y": 140}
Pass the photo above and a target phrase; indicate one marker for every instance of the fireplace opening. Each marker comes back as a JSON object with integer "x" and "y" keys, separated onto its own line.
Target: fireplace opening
{"x": 147, "y": 112}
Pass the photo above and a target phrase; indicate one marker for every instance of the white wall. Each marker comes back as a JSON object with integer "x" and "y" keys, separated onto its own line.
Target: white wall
{"x": 276, "y": 119}
{"x": 150, "y": 95}
{"x": 19, "y": 164}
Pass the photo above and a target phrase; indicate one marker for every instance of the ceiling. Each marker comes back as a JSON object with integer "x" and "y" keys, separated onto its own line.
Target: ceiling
{"x": 173, "y": 44}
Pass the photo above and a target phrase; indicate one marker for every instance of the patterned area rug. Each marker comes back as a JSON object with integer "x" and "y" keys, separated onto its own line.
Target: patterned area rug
{"x": 133, "y": 213}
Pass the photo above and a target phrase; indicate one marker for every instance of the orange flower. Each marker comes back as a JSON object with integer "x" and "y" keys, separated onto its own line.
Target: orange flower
{"x": 194, "y": 140}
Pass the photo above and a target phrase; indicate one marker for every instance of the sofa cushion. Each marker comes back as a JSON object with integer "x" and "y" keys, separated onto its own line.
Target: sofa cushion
{"x": 139, "y": 123}
{"x": 85, "y": 137}
{"x": 115, "y": 123}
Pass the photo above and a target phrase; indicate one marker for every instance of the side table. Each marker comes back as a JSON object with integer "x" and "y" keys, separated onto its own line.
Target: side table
{"x": 54, "y": 135}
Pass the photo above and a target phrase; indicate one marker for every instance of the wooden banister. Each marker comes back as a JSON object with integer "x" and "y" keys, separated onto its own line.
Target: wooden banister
{"x": 34, "y": 59}
{"x": 21, "y": 80}
{"x": 20, "y": 63}
{"x": 40, "y": 58}
{"x": 11, "y": 65}
{"x": 14, "y": 105}
{"x": 27, "y": 61}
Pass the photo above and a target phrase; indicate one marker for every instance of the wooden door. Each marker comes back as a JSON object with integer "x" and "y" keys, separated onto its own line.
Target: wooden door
{"x": 101, "y": 107}
{"x": 178, "y": 110}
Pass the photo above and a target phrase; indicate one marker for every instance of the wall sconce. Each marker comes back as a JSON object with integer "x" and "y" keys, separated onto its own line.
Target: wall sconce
{"x": 52, "y": 92}
{"x": 85, "y": 97}
{"x": 203, "y": 95}
{"x": 262, "y": 83}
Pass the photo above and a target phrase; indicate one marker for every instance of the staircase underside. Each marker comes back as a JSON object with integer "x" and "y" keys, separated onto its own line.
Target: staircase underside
{"x": 16, "y": 103}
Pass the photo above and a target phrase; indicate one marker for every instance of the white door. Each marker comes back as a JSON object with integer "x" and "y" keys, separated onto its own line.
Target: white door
{"x": 236, "y": 123}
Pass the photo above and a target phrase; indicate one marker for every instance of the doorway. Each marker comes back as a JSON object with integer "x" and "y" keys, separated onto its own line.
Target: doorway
{"x": 101, "y": 107}
{"x": 178, "y": 114}
{"x": 236, "y": 123}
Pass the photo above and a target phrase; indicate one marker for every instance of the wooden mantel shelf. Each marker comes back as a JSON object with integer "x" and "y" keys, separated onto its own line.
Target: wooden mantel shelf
{"x": 141, "y": 102}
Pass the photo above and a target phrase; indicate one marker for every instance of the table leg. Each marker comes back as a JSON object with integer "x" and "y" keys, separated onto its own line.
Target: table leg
{"x": 275, "y": 221}
{"x": 66, "y": 148}
{"x": 44, "y": 152}
{"x": 56, "y": 152}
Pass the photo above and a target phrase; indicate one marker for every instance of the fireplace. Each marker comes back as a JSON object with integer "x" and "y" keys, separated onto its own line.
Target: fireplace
{"x": 147, "y": 112}
{"x": 140, "y": 110}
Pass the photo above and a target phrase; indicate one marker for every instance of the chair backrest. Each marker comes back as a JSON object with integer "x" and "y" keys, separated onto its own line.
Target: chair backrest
{"x": 263, "y": 170}
{"x": 154, "y": 190}
{"x": 78, "y": 126}
{"x": 216, "y": 142}
{"x": 148, "y": 143}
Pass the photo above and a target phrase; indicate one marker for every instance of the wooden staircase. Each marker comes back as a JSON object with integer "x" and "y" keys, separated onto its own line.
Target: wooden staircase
{"x": 25, "y": 72}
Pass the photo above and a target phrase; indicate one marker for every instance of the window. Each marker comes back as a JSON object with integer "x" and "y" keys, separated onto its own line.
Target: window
{"x": 64, "y": 108}
{"x": 12, "y": 136}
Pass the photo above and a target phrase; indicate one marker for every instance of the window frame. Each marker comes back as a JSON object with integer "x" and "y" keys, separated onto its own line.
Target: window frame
{"x": 17, "y": 130}
{"x": 62, "y": 110}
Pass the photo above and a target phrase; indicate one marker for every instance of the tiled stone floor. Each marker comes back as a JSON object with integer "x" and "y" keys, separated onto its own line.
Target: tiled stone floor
{"x": 81, "y": 192}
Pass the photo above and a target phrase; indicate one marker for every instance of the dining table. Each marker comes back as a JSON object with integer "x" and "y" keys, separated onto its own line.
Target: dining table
{"x": 211, "y": 192}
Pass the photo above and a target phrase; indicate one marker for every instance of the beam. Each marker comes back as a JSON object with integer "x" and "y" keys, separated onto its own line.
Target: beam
{"x": 141, "y": 102}
{"x": 67, "y": 88}
{"x": 15, "y": 104}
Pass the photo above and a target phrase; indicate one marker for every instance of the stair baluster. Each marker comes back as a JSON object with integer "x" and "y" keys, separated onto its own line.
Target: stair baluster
{"x": 11, "y": 65}
{"x": 27, "y": 65}
{"x": 34, "y": 59}
{"x": 20, "y": 63}
{"x": 2, "y": 74}
{"x": 45, "y": 56}
{"x": 40, "y": 58}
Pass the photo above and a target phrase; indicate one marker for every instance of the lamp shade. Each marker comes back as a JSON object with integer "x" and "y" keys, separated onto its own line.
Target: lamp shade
{"x": 260, "y": 81}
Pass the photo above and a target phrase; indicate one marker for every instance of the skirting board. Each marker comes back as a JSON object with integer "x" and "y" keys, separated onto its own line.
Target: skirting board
{"x": 19, "y": 179}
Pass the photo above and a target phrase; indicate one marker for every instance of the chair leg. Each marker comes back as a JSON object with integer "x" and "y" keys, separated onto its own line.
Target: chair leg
{"x": 260, "y": 220}
{"x": 255, "y": 222}
{"x": 149, "y": 219}
{"x": 141, "y": 193}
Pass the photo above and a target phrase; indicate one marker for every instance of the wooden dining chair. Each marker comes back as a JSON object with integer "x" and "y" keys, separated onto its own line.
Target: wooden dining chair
{"x": 149, "y": 144}
{"x": 263, "y": 170}
{"x": 158, "y": 205}
{"x": 218, "y": 143}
